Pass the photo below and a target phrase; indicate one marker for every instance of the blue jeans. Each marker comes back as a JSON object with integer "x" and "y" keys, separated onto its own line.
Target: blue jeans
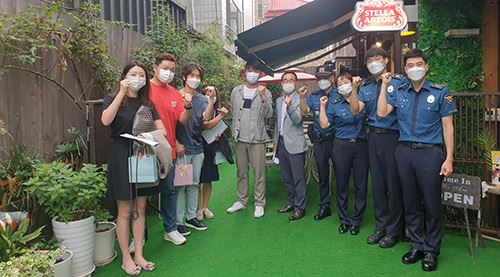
{"x": 187, "y": 196}
{"x": 168, "y": 201}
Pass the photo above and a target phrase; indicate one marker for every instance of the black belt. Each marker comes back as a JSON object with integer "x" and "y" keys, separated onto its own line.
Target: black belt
{"x": 351, "y": 140}
{"x": 319, "y": 137}
{"x": 418, "y": 145}
{"x": 376, "y": 130}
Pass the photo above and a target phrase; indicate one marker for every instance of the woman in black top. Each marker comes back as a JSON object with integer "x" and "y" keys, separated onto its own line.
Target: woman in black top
{"x": 120, "y": 109}
{"x": 210, "y": 170}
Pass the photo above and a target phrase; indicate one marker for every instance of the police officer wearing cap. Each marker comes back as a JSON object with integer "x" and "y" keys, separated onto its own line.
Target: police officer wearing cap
{"x": 382, "y": 141}
{"x": 425, "y": 116}
{"x": 351, "y": 150}
{"x": 321, "y": 137}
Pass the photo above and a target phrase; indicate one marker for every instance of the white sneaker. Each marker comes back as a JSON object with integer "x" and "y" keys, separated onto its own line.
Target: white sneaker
{"x": 174, "y": 237}
{"x": 259, "y": 212}
{"x": 237, "y": 206}
{"x": 131, "y": 247}
{"x": 208, "y": 214}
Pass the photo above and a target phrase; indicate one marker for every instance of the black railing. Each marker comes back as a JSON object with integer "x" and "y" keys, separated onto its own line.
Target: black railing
{"x": 478, "y": 113}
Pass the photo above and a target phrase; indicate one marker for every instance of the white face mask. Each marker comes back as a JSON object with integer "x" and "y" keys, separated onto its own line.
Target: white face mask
{"x": 166, "y": 76}
{"x": 193, "y": 83}
{"x": 252, "y": 77}
{"x": 375, "y": 68}
{"x": 136, "y": 83}
{"x": 416, "y": 73}
{"x": 288, "y": 88}
{"x": 324, "y": 84}
{"x": 345, "y": 89}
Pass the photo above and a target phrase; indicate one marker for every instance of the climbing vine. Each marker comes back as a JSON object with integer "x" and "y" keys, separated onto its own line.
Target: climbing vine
{"x": 74, "y": 37}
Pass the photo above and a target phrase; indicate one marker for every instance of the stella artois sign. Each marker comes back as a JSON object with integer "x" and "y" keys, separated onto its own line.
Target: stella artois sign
{"x": 379, "y": 15}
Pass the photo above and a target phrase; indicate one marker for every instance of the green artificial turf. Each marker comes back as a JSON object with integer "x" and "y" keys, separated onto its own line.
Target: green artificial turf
{"x": 239, "y": 245}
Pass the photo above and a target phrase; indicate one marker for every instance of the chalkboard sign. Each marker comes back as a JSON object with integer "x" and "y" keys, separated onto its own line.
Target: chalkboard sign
{"x": 461, "y": 191}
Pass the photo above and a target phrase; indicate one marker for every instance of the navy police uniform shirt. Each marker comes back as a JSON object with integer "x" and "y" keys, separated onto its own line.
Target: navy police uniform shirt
{"x": 368, "y": 94}
{"x": 312, "y": 101}
{"x": 347, "y": 125}
{"x": 419, "y": 113}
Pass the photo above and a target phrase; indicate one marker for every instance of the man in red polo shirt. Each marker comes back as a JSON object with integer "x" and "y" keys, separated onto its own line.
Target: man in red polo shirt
{"x": 172, "y": 108}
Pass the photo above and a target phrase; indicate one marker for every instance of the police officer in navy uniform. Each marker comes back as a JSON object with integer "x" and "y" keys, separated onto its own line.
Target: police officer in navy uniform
{"x": 425, "y": 116}
{"x": 351, "y": 150}
{"x": 321, "y": 137}
{"x": 382, "y": 141}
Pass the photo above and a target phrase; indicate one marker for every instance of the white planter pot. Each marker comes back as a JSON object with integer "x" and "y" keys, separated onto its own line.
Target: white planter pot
{"x": 63, "y": 268}
{"x": 79, "y": 238}
{"x": 105, "y": 234}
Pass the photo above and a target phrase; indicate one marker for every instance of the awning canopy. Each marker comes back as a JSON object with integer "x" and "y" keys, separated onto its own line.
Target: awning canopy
{"x": 297, "y": 33}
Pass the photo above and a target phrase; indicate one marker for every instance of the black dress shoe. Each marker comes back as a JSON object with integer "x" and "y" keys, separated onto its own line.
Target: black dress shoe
{"x": 388, "y": 241}
{"x": 354, "y": 230}
{"x": 322, "y": 213}
{"x": 430, "y": 262}
{"x": 412, "y": 256}
{"x": 375, "y": 238}
{"x": 344, "y": 228}
{"x": 286, "y": 209}
{"x": 297, "y": 215}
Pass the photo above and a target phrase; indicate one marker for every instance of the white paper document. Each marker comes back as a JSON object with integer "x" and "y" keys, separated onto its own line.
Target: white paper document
{"x": 146, "y": 141}
{"x": 210, "y": 134}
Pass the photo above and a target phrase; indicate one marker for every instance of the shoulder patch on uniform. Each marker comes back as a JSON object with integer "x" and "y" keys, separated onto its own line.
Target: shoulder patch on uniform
{"x": 438, "y": 86}
{"x": 390, "y": 89}
{"x": 448, "y": 98}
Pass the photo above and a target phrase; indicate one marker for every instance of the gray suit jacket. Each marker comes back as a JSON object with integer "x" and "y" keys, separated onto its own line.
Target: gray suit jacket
{"x": 294, "y": 138}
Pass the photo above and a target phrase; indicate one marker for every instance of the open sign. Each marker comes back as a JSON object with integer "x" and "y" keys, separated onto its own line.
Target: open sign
{"x": 461, "y": 191}
{"x": 379, "y": 15}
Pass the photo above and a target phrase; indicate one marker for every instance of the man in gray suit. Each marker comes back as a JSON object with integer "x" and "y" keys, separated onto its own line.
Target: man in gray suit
{"x": 290, "y": 144}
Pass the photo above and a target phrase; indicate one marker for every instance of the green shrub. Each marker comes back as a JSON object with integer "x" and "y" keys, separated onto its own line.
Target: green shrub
{"x": 67, "y": 194}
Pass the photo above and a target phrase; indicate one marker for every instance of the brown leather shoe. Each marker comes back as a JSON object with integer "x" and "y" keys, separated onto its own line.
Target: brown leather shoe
{"x": 286, "y": 209}
{"x": 297, "y": 215}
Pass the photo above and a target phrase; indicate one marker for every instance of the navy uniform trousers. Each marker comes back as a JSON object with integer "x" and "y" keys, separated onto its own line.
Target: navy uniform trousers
{"x": 292, "y": 172}
{"x": 351, "y": 157}
{"x": 322, "y": 154}
{"x": 419, "y": 172}
{"x": 386, "y": 187}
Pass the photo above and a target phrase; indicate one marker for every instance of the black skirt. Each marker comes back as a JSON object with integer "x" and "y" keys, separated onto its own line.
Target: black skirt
{"x": 209, "y": 170}
{"x": 118, "y": 184}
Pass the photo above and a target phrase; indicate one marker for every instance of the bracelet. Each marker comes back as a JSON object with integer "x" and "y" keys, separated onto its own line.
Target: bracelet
{"x": 188, "y": 107}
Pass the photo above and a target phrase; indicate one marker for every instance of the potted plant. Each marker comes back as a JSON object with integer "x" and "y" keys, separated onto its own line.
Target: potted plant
{"x": 71, "y": 198}
{"x": 63, "y": 264}
{"x": 105, "y": 235}
{"x": 30, "y": 263}
{"x": 63, "y": 258}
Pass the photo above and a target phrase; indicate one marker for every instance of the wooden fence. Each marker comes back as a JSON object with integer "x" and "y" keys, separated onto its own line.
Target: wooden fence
{"x": 36, "y": 112}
